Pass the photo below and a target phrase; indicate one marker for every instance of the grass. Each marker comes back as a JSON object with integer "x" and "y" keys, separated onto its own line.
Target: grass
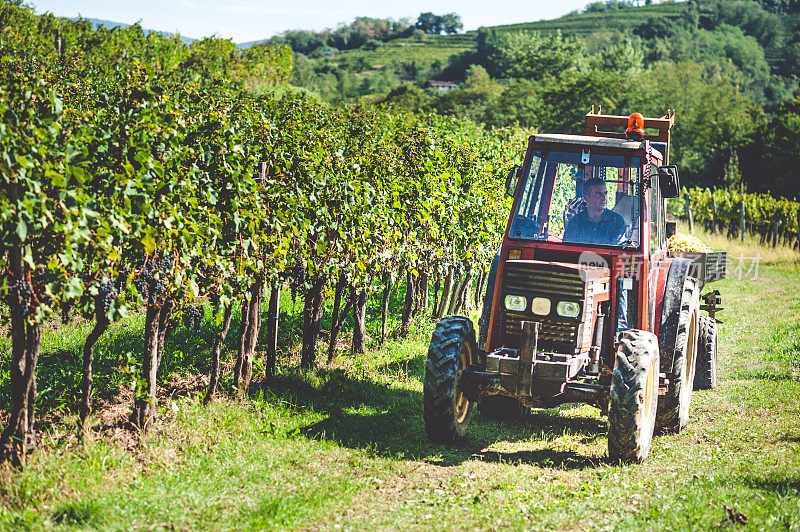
{"x": 343, "y": 447}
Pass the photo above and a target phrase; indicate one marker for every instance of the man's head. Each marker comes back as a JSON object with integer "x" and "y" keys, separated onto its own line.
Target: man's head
{"x": 594, "y": 192}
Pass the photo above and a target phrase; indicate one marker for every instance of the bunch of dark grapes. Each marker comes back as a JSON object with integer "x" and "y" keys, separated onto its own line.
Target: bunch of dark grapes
{"x": 143, "y": 278}
{"x": 164, "y": 262}
{"x": 157, "y": 288}
{"x": 107, "y": 293}
{"x": 237, "y": 285}
{"x": 65, "y": 307}
{"x": 297, "y": 274}
{"x": 193, "y": 316}
{"x": 146, "y": 282}
{"x": 25, "y": 292}
{"x": 214, "y": 298}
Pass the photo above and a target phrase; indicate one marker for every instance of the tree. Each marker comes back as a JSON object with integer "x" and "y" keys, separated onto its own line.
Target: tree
{"x": 533, "y": 55}
{"x": 429, "y": 23}
{"x": 713, "y": 119}
{"x": 771, "y": 153}
{"x": 622, "y": 58}
{"x": 436, "y": 24}
{"x": 451, "y": 23}
{"x": 409, "y": 98}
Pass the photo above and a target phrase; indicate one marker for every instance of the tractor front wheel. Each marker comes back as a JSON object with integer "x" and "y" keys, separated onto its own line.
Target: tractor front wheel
{"x": 633, "y": 397}
{"x": 447, "y": 411}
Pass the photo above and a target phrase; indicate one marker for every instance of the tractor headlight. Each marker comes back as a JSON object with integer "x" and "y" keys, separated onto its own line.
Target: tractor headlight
{"x": 568, "y": 309}
{"x": 540, "y": 306}
{"x": 516, "y": 303}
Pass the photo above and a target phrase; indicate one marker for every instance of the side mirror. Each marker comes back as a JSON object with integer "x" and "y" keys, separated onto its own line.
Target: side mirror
{"x": 672, "y": 228}
{"x": 668, "y": 181}
{"x": 512, "y": 179}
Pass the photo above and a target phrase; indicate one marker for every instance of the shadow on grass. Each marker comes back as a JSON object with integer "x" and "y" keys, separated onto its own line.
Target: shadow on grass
{"x": 765, "y": 374}
{"x": 363, "y": 414}
{"x": 567, "y": 460}
{"x": 782, "y": 486}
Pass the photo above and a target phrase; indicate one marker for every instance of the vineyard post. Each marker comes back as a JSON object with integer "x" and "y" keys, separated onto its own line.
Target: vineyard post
{"x": 689, "y": 213}
{"x": 713, "y": 214}
{"x": 741, "y": 222}
{"x": 423, "y": 291}
{"x": 412, "y": 282}
{"x": 445, "y": 296}
{"x": 272, "y": 329}
{"x": 775, "y": 224}
{"x": 217, "y": 351}
{"x": 359, "y": 343}
{"x": 387, "y": 289}
{"x": 798, "y": 227}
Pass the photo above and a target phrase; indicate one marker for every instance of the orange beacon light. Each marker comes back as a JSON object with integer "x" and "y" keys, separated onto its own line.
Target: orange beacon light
{"x": 635, "y": 129}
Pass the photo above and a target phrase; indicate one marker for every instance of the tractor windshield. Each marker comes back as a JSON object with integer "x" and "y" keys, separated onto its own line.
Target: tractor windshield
{"x": 564, "y": 200}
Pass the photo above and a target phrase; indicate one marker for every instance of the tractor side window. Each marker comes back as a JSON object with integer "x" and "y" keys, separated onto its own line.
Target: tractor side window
{"x": 527, "y": 203}
{"x": 526, "y": 222}
{"x": 655, "y": 210}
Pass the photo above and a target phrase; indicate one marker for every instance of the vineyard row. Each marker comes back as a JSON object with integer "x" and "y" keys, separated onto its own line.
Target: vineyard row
{"x": 773, "y": 220}
{"x": 121, "y": 192}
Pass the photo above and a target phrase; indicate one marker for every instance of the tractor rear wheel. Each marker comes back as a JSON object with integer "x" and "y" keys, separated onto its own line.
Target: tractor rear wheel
{"x": 705, "y": 373}
{"x": 673, "y": 407}
{"x": 633, "y": 397}
{"x": 447, "y": 411}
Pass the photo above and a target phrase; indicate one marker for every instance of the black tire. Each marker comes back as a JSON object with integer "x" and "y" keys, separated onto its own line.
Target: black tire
{"x": 633, "y": 397}
{"x": 705, "y": 373}
{"x": 447, "y": 411}
{"x": 673, "y": 407}
{"x": 502, "y": 408}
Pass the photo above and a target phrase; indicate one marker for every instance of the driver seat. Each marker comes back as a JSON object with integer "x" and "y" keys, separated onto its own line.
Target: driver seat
{"x": 623, "y": 208}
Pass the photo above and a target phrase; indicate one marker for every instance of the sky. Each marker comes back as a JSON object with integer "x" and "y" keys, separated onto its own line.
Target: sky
{"x": 250, "y": 20}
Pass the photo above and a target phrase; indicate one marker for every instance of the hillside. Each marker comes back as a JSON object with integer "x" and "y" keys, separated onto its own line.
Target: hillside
{"x": 589, "y": 23}
{"x": 426, "y": 51}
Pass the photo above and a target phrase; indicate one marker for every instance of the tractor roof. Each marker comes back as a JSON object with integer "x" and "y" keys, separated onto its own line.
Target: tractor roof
{"x": 582, "y": 140}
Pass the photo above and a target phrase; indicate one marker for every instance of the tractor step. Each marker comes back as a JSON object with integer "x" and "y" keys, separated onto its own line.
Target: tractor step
{"x": 663, "y": 384}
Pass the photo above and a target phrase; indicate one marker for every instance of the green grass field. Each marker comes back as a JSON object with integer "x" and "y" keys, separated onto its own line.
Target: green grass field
{"x": 343, "y": 447}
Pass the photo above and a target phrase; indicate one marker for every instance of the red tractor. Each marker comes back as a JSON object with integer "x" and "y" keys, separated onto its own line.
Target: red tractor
{"x": 584, "y": 303}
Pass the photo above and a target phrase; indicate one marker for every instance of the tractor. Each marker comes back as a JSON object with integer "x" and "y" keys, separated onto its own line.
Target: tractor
{"x": 584, "y": 302}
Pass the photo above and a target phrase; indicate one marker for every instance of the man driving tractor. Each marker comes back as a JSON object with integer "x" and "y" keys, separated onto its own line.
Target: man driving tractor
{"x": 596, "y": 224}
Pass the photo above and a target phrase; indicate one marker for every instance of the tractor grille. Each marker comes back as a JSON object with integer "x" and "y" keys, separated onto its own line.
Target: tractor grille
{"x": 533, "y": 279}
{"x": 554, "y": 282}
{"x": 551, "y": 331}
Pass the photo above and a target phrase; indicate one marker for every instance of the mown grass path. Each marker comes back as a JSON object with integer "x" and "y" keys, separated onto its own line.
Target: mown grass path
{"x": 344, "y": 448}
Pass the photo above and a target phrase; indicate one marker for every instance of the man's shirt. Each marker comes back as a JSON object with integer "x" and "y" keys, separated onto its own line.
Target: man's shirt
{"x": 609, "y": 231}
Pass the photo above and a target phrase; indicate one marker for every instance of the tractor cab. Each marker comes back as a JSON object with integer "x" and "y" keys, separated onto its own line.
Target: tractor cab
{"x": 584, "y": 203}
{"x": 583, "y": 299}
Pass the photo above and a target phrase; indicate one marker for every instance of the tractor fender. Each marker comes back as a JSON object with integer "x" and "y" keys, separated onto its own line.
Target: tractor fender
{"x": 670, "y": 311}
